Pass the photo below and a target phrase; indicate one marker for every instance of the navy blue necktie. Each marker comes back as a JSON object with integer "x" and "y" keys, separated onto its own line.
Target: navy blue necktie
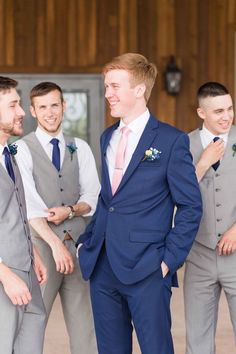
{"x": 217, "y": 164}
{"x": 56, "y": 153}
{"x": 8, "y": 163}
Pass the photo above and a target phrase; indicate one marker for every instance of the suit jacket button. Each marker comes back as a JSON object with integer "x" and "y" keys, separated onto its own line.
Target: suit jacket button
{"x": 218, "y": 204}
{"x": 218, "y": 220}
{"x": 111, "y": 209}
{"x": 219, "y": 235}
{"x": 217, "y": 189}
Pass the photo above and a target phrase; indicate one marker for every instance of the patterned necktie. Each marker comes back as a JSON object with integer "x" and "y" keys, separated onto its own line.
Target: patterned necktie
{"x": 217, "y": 164}
{"x": 56, "y": 154}
{"x": 120, "y": 158}
{"x": 8, "y": 163}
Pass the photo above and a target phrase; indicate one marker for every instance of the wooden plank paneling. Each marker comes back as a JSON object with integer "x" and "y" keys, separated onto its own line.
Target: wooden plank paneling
{"x": 2, "y": 33}
{"x": 67, "y": 36}
{"x": 10, "y": 35}
{"x": 40, "y": 35}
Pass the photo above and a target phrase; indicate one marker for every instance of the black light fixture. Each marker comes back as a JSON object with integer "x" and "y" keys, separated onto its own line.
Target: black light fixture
{"x": 173, "y": 77}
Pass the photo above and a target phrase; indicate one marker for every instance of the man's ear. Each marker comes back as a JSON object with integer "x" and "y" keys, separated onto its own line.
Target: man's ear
{"x": 140, "y": 90}
{"x": 32, "y": 111}
{"x": 201, "y": 113}
{"x": 64, "y": 106}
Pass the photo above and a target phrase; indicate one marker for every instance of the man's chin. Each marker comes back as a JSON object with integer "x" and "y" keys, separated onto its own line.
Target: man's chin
{"x": 17, "y": 132}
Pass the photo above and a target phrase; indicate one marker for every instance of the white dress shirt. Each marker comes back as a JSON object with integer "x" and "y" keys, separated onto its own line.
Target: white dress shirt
{"x": 207, "y": 137}
{"x": 88, "y": 178}
{"x": 136, "y": 129}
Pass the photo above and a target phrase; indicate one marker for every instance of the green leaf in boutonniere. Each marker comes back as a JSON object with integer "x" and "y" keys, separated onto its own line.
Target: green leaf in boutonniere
{"x": 72, "y": 148}
{"x": 234, "y": 148}
{"x": 13, "y": 151}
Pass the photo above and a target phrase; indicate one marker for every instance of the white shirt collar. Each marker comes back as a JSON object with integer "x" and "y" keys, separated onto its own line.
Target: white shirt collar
{"x": 138, "y": 124}
{"x": 2, "y": 148}
{"x": 45, "y": 138}
{"x": 209, "y": 136}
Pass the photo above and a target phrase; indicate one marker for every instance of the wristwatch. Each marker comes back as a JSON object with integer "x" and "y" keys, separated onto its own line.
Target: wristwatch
{"x": 72, "y": 212}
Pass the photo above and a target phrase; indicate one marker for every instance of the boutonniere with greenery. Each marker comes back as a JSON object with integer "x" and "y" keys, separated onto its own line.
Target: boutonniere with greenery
{"x": 13, "y": 151}
{"x": 234, "y": 149}
{"x": 151, "y": 154}
{"x": 72, "y": 148}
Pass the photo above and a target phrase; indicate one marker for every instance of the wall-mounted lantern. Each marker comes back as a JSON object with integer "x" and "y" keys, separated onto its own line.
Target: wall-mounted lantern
{"x": 173, "y": 77}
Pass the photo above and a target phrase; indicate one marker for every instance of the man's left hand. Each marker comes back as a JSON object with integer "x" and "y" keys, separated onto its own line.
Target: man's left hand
{"x": 227, "y": 244}
{"x": 164, "y": 269}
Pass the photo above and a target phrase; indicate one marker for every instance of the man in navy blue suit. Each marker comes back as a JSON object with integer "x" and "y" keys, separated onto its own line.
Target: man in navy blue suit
{"x": 130, "y": 251}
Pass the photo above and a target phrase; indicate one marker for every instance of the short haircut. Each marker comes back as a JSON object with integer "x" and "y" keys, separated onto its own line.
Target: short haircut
{"x": 43, "y": 88}
{"x": 6, "y": 84}
{"x": 211, "y": 89}
{"x": 140, "y": 69}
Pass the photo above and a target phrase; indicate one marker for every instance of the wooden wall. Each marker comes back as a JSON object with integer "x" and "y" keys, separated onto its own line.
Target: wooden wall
{"x": 66, "y": 36}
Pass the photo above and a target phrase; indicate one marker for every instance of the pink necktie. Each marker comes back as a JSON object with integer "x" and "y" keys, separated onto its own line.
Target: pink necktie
{"x": 120, "y": 159}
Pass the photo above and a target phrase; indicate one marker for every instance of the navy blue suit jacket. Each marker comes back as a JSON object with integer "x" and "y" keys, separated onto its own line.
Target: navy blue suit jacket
{"x": 136, "y": 223}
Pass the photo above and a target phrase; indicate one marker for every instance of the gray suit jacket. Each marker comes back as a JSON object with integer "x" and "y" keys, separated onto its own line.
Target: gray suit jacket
{"x": 218, "y": 189}
{"x": 15, "y": 242}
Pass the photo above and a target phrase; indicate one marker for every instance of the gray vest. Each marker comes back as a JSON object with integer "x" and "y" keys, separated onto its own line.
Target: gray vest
{"x": 218, "y": 189}
{"x": 57, "y": 188}
{"x": 15, "y": 242}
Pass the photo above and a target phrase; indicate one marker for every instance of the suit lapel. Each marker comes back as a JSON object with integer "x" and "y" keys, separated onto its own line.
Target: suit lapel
{"x": 105, "y": 174}
{"x": 144, "y": 144}
{"x": 229, "y": 156}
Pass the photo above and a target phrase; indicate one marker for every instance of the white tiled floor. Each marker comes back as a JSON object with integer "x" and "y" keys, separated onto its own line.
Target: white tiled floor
{"x": 56, "y": 341}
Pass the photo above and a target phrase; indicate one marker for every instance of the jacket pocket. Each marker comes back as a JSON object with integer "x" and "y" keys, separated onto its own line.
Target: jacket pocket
{"x": 147, "y": 236}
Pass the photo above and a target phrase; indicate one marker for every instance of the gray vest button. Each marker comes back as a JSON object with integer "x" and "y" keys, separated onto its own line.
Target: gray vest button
{"x": 111, "y": 209}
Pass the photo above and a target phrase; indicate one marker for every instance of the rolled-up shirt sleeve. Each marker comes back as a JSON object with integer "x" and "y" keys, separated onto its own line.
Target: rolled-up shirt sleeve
{"x": 34, "y": 204}
{"x": 88, "y": 176}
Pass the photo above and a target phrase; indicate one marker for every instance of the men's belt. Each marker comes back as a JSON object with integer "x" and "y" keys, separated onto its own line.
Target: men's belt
{"x": 67, "y": 237}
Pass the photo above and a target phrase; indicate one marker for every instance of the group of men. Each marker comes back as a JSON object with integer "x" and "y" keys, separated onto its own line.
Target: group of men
{"x": 132, "y": 248}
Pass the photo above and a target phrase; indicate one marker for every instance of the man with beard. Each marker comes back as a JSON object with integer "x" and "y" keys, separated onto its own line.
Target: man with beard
{"x": 22, "y": 315}
{"x": 62, "y": 186}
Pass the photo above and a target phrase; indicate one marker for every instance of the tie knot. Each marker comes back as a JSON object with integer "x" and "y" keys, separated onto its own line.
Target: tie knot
{"x": 6, "y": 152}
{"x": 125, "y": 130}
{"x": 216, "y": 138}
{"x": 54, "y": 141}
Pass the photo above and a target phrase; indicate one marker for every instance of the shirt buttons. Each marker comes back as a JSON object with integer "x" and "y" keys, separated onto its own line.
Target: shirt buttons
{"x": 111, "y": 209}
{"x": 218, "y": 220}
{"x": 217, "y": 189}
{"x": 218, "y": 204}
{"x": 219, "y": 235}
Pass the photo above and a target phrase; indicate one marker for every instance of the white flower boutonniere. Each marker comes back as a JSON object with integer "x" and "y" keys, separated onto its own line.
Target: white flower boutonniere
{"x": 151, "y": 154}
{"x": 13, "y": 151}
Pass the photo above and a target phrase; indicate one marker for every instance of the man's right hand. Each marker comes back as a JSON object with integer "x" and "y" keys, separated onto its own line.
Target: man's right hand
{"x": 62, "y": 257}
{"x": 211, "y": 154}
{"x": 15, "y": 288}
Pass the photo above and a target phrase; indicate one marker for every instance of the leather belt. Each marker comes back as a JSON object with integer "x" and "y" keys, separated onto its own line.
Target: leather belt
{"x": 67, "y": 237}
